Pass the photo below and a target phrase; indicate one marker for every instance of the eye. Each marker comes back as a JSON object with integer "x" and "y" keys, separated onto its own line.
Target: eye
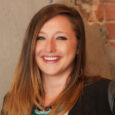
{"x": 61, "y": 38}
{"x": 40, "y": 38}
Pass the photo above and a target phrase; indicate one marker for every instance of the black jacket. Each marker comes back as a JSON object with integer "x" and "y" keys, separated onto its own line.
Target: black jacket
{"x": 96, "y": 99}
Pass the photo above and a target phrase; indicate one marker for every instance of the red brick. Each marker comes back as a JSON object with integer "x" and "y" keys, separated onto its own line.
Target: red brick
{"x": 112, "y": 44}
{"x": 84, "y": 1}
{"x": 111, "y": 30}
{"x": 110, "y": 12}
{"x": 107, "y": 0}
{"x": 89, "y": 0}
{"x": 84, "y": 13}
{"x": 100, "y": 13}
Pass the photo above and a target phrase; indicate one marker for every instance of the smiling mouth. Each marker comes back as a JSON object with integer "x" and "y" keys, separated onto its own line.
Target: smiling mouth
{"x": 51, "y": 58}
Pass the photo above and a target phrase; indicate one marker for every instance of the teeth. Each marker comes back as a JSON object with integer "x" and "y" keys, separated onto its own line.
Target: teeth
{"x": 50, "y": 58}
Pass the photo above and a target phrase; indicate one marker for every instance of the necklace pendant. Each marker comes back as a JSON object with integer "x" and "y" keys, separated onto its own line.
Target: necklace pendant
{"x": 39, "y": 112}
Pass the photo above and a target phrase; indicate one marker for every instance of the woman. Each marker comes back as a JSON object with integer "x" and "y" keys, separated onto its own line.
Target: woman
{"x": 49, "y": 77}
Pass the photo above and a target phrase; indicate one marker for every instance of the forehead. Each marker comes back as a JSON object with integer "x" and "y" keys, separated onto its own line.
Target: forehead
{"x": 57, "y": 22}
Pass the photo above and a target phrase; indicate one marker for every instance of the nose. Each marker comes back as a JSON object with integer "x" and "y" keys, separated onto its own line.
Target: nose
{"x": 50, "y": 46}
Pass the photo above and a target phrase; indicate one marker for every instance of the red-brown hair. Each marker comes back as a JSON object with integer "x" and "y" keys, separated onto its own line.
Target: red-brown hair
{"x": 27, "y": 88}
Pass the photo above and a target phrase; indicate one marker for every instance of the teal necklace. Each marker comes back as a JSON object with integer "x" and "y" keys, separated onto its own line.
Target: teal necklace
{"x": 47, "y": 110}
{"x": 41, "y": 112}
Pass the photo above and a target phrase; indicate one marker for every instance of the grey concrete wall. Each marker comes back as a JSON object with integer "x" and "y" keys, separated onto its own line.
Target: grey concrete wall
{"x": 14, "y": 18}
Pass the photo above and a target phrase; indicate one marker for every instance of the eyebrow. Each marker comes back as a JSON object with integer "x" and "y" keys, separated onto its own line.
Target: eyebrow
{"x": 41, "y": 32}
{"x": 58, "y": 32}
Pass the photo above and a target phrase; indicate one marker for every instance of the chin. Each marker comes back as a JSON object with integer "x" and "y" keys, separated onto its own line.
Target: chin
{"x": 50, "y": 73}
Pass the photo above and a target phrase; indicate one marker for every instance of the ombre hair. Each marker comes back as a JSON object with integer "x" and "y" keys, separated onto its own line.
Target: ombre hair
{"x": 27, "y": 89}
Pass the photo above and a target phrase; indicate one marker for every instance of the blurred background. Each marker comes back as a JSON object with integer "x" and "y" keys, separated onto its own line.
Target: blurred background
{"x": 99, "y": 19}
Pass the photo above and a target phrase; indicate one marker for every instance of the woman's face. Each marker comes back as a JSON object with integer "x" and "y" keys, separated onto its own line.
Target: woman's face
{"x": 56, "y": 47}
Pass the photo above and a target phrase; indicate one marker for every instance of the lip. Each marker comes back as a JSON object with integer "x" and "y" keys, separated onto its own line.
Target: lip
{"x": 51, "y": 59}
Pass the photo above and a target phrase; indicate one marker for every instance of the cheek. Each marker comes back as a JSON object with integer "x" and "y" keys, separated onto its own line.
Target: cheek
{"x": 72, "y": 48}
{"x": 68, "y": 49}
{"x": 38, "y": 49}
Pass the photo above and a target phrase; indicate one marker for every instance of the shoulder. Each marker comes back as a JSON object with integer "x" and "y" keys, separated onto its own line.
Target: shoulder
{"x": 96, "y": 86}
{"x": 100, "y": 84}
{"x": 96, "y": 81}
{"x": 102, "y": 90}
{"x": 95, "y": 97}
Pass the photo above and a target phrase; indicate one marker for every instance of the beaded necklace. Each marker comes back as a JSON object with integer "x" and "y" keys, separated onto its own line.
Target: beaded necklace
{"x": 42, "y": 112}
{"x": 46, "y": 112}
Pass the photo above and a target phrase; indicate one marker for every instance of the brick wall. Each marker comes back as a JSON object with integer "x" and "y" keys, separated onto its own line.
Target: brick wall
{"x": 99, "y": 18}
{"x": 102, "y": 12}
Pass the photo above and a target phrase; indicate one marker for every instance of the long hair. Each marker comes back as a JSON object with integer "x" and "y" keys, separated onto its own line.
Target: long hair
{"x": 27, "y": 89}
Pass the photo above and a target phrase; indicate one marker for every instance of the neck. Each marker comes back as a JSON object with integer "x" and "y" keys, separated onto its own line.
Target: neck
{"x": 53, "y": 86}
